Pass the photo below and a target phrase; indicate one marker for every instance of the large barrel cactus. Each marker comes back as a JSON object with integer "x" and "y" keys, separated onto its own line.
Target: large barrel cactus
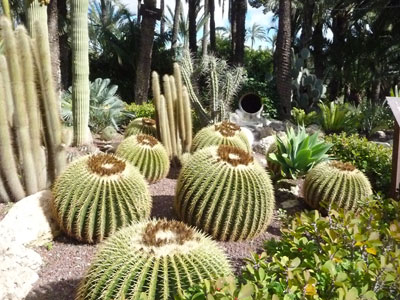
{"x": 224, "y": 133}
{"x": 98, "y": 194}
{"x": 141, "y": 126}
{"x": 337, "y": 183}
{"x": 147, "y": 154}
{"x": 152, "y": 260}
{"x": 223, "y": 191}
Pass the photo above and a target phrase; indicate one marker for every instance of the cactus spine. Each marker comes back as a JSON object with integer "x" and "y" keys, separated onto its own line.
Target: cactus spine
{"x": 80, "y": 71}
{"x": 223, "y": 191}
{"x": 7, "y": 89}
{"x": 153, "y": 260}
{"x": 141, "y": 126}
{"x": 171, "y": 114}
{"x": 187, "y": 113}
{"x": 147, "y": 154}
{"x": 98, "y": 194}
{"x": 338, "y": 183}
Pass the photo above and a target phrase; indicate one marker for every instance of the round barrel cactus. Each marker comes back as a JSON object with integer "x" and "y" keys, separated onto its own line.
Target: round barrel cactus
{"x": 147, "y": 154}
{"x": 98, "y": 194}
{"x": 155, "y": 259}
{"x": 223, "y": 191}
{"x": 141, "y": 126}
{"x": 338, "y": 183}
{"x": 224, "y": 133}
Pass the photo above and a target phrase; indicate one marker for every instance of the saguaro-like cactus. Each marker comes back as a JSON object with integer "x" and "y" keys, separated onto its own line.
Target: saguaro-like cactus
{"x": 80, "y": 71}
{"x": 338, "y": 183}
{"x": 223, "y": 191}
{"x": 154, "y": 260}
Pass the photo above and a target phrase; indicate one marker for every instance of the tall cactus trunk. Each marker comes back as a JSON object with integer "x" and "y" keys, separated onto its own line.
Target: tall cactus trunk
{"x": 35, "y": 12}
{"x": 6, "y": 8}
{"x": 80, "y": 71}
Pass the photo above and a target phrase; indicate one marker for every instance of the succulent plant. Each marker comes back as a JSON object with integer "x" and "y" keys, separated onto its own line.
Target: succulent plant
{"x": 141, "y": 126}
{"x": 147, "y": 154}
{"x": 98, "y": 194}
{"x": 154, "y": 259}
{"x": 336, "y": 182}
{"x": 223, "y": 191}
{"x": 224, "y": 133}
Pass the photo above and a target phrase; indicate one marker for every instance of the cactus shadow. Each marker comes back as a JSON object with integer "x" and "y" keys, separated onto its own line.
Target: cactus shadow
{"x": 163, "y": 207}
{"x": 60, "y": 290}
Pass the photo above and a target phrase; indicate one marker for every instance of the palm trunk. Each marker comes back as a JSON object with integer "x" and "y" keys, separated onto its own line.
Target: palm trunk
{"x": 162, "y": 21}
{"x": 54, "y": 40}
{"x": 307, "y": 23}
{"x": 175, "y": 26}
{"x": 240, "y": 8}
{"x": 143, "y": 69}
{"x": 80, "y": 71}
{"x": 318, "y": 53}
{"x": 283, "y": 77}
{"x": 213, "y": 44}
{"x": 65, "y": 50}
{"x": 206, "y": 28}
{"x": 193, "y": 26}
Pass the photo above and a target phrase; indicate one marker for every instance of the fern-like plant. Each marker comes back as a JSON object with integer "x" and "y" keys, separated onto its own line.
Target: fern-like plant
{"x": 147, "y": 154}
{"x": 141, "y": 126}
{"x": 155, "y": 259}
{"x": 224, "y": 133}
{"x": 223, "y": 191}
{"x": 297, "y": 152}
{"x": 334, "y": 117}
{"x": 98, "y": 194}
{"x": 337, "y": 183}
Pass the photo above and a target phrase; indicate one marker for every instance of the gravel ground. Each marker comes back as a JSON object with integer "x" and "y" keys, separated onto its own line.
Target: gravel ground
{"x": 66, "y": 260}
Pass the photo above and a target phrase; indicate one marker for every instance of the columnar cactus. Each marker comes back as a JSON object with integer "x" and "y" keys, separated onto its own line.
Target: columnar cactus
{"x": 223, "y": 191}
{"x": 338, "y": 183}
{"x": 98, "y": 194}
{"x": 224, "y": 133}
{"x": 80, "y": 71}
{"x": 141, "y": 126}
{"x": 36, "y": 11}
{"x": 147, "y": 154}
{"x": 155, "y": 259}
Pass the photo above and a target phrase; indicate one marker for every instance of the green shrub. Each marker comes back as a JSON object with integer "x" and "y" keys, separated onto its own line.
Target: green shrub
{"x": 227, "y": 194}
{"x": 338, "y": 183}
{"x": 343, "y": 256}
{"x": 334, "y": 118}
{"x": 145, "y": 110}
{"x": 372, "y": 159}
{"x": 300, "y": 117}
{"x": 298, "y": 152}
{"x": 152, "y": 260}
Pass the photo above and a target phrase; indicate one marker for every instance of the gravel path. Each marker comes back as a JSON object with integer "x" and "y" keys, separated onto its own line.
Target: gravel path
{"x": 66, "y": 260}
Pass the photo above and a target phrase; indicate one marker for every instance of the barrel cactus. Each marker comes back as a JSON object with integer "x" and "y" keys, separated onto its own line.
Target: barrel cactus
{"x": 141, "y": 126}
{"x": 98, "y": 194}
{"x": 154, "y": 259}
{"x": 223, "y": 191}
{"x": 224, "y": 133}
{"x": 338, "y": 183}
{"x": 147, "y": 154}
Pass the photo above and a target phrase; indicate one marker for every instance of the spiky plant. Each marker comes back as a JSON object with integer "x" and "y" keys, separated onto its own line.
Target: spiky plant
{"x": 223, "y": 191}
{"x": 147, "y": 154}
{"x": 98, "y": 194}
{"x": 336, "y": 182}
{"x": 224, "y": 133}
{"x": 154, "y": 259}
{"x": 141, "y": 126}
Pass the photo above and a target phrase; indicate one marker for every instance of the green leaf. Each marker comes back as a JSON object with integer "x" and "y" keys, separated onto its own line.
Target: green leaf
{"x": 352, "y": 294}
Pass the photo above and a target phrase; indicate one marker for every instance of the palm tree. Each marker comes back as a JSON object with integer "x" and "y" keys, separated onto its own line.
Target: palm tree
{"x": 54, "y": 39}
{"x": 175, "y": 26}
{"x": 283, "y": 46}
{"x": 238, "y": 10}
{"x": 192, "y": 16}
{"x": 256, "y": 32}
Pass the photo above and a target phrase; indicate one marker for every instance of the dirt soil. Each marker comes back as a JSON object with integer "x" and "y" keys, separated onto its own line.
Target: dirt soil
{"x": 66, "y": 260}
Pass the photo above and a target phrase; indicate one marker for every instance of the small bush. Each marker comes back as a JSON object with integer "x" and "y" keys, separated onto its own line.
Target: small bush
{"x": 300, "y": 117}
{"x": 334, "y": 118}
{"x": 372, "y": 159}
{"x": 145, "y": 110}
{"x": 343, "y": 256}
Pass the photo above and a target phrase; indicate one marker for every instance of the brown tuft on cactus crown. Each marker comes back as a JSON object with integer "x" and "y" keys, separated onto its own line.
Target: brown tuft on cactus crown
{"x": 167, "y": 232}
{"x": 148, "y": 122}
{"x": 230, "y": 126}
{"x": 147, "y": 140}
{"x": 344, "y": 166}
{"x": 106, "y": 165}
{"x": 233, "y": 155}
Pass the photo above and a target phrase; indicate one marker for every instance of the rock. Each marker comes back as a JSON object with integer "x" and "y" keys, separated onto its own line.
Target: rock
{"x": 384, "y": 144}
{"x": 266, "y": 131}
{"x": 288, "y": 125}
{"x": 313, "y": 128}
{"x": 108, "y": 133}
{"x": 18, "y": 270}
{"x": 29, "y": 221}
{"x": 290, "y": 203}
{"x": 263, "y": 145}
{"x": 277, "y": 125}
{"x": 379, "y": 135}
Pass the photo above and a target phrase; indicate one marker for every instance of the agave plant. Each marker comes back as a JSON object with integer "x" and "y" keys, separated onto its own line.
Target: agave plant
{"x": 334, "y": 117}
{"x": 297, "y": 152}
{"x": 106, "y": 107}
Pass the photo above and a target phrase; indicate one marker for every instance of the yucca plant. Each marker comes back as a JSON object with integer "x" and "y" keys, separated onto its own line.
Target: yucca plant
{"x": 297, "y": 152}
{"x": 153, "y": 260}
{"x": 225, "y": 192}
{"x": 98, "y": 194}
{"x": 334, "y": 117}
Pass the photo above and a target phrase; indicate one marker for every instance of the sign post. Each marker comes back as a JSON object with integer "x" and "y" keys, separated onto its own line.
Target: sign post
{"x": 394, "y": 103}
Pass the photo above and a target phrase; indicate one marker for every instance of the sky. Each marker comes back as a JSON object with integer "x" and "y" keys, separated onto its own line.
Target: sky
{"x": 254, "y": 15}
